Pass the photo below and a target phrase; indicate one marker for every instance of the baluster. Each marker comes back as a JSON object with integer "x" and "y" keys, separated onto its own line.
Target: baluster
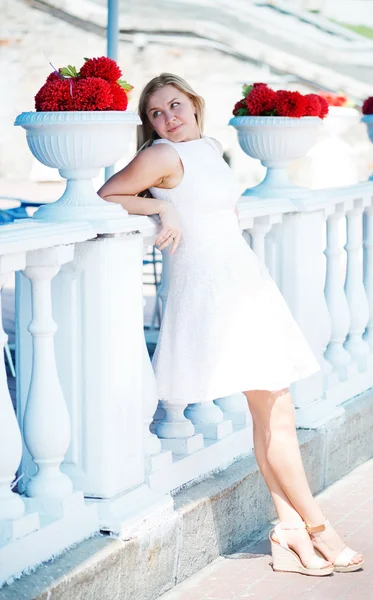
{"x": 14, "y": 521}
{"x": 336, "y": 300}
{"x": 208, "y": 419}
{"x": 177, "y": 433}
{"x": 46, "y": 419}
{"x": 368, "y": 270}
{"x": 235, "y": 409}
{"x": 354, "y": 288}
{"x": 258, "y": 234}
{"x": 11, "y": 505}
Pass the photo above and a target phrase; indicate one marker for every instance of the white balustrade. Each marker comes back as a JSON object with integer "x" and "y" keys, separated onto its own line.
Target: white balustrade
{"x": 354, "y": 287}
{"x": 34, "y": 529}
{"x": 46, "y": 420}
{"x": 94, "y": 375}
{"x": 335, "y": 296}
{"x": 368, "y": 270}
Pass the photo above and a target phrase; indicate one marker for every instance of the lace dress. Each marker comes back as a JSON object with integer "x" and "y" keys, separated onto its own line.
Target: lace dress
{"x": 226, "y": 327}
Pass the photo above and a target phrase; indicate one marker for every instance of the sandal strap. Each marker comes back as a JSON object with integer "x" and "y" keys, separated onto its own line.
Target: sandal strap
{"x": 344, "y": 558}
{"x": 281, "y": 527}
{"x": 318, "y": 528}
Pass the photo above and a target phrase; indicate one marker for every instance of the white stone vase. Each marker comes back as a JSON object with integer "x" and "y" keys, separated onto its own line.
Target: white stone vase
{"x": 79, "y": 144}
{"x": 276, "y": 141}
{"x": 368, "y": 120}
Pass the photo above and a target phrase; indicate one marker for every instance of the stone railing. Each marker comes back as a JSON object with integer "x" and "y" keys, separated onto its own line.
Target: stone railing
{"x": 86, "y": 392}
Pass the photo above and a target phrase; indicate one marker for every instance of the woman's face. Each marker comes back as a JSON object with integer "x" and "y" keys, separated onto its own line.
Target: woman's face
{"x": 172, "y": 115}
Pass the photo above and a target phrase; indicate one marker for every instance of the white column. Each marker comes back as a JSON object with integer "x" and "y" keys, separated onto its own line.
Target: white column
{"x": 336, "y": 300}
{"x": 302, "y": 276}
{"x": 368, "y": 271}
{"x": 46, "y": 420}
{"x": 354, "y": 288}
{"x": 208, "y": 419}
{"x": 11, "y": 505}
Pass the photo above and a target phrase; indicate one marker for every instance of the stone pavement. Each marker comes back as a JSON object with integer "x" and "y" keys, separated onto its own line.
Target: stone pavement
{"x": 247, "y": 573}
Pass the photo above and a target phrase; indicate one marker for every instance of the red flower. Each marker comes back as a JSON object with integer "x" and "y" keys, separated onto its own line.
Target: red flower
{"x": 334, "y": 99}
{"x": 92, "y": 93}
{"x": 368, "y": 106}
{"x": 120, "y": 98}
{"x": 261, "y": 100}
{"x": 312, "y": 106}
{"x": 324, "y": 107}
{"x": 290, "y": 104}
{"x": 55, "y": 95}
{"x": 103, "y": 67}
{"x": 240, "y": 109}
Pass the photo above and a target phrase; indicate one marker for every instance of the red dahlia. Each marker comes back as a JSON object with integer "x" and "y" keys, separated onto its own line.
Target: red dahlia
{"x": 120, "y": 98}
{"x": 56, "y": 94}
{"x": 368, "y": 106}
{"x": 324, "y": 107}
{"x": 312, "y": 105}
{"x": 240, "y": 109}
{"x": 103, "y": 67}
{"x": 261, "y": 100}
{"x": 290, "y": 104}
{"x": 92, "y": 93}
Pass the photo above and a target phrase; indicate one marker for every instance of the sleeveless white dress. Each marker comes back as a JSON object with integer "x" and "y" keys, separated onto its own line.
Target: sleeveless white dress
{"x": 226, "y": 327}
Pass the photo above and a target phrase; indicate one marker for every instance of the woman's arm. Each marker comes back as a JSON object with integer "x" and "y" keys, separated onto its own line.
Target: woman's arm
{"x": 151, "y": 167}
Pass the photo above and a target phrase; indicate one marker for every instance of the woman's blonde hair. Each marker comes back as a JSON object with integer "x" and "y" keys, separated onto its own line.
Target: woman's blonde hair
{"x": 145, "y": 132}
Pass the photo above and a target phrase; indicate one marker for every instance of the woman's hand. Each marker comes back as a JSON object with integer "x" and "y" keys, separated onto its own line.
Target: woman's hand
{"x": 171, "y": 228}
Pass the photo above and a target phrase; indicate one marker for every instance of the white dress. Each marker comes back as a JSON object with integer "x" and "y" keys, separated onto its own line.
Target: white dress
{"x": 226, "y": 327}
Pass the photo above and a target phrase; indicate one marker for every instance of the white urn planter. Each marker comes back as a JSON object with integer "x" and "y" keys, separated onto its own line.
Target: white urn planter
{"x": 79, "y": 144}
{"x": 276, "y": 141}
{"x": 368, "y": 120}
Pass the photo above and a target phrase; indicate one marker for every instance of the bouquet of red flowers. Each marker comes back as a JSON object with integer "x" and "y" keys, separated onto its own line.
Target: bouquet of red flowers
{"x": 97, "y": 86}
{"x": 260, "y": 100}
{"x": 367, "y": 108}
{"x": 335, "y": 99}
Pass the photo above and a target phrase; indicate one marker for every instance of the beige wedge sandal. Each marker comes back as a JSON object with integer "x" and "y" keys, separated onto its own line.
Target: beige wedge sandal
{"x": 342, "y": 562}
{"x": 285, "y": 559}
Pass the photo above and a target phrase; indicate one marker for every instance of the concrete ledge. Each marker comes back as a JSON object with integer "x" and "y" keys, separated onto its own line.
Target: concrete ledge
{"x": 210, "y": 518}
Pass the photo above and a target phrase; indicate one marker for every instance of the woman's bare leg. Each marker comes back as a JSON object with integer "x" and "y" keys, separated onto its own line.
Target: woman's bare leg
{"x": 279, "y": 459}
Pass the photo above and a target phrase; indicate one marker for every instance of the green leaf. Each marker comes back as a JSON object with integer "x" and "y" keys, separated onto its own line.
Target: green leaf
{"x": 242, "y": 112}
{"x": 69, "y": 71}
{"x": 246, "y": 89}
{"x": 85, "y": 58}
{"x": 126, "y": 86}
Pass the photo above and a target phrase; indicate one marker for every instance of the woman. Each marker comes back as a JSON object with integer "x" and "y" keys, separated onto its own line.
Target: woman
{"x": 226, "y": 327}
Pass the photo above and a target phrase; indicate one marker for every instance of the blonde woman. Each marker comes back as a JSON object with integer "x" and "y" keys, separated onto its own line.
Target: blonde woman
{"x": 226, "y": 327}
